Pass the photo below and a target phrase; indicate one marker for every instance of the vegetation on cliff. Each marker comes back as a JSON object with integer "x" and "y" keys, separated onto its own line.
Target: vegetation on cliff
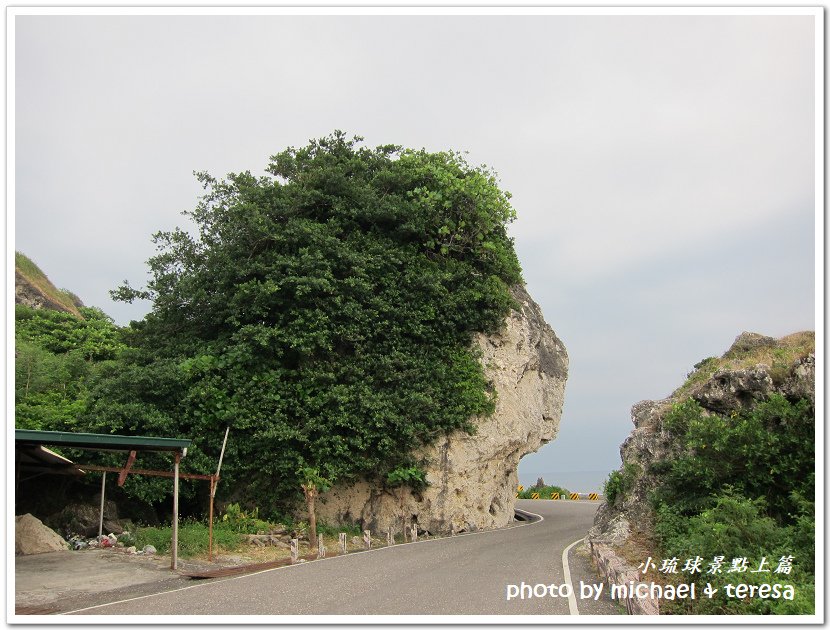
{"x": 725, "y": 469}
{"x": 744, "y": 487}
{"x": 325, "y": 312}
{"x": 57, "y": 358}
{"x": 33, "y": 285}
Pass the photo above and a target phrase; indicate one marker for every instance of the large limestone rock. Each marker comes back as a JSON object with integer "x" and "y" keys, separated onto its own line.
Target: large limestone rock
{"x": 31, "y": 536}
{"x": 473, "y": 478}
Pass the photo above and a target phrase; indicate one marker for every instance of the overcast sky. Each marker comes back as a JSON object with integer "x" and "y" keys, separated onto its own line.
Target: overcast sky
{"x": 662, "y": 167}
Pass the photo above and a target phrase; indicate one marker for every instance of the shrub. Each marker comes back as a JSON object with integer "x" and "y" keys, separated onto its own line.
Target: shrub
{"x": 193, "y": 538}
{"x": 620, "y": 482}
{"x": 545, "y": 492}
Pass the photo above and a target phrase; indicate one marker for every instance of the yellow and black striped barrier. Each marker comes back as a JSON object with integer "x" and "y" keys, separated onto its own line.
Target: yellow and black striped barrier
{"x": 534, "y": 495}
{"x": 593, "y": 497}
{"x": 521, "y": 488}
{"x": 574, "y": 496}
{"x": 554, "y": 496}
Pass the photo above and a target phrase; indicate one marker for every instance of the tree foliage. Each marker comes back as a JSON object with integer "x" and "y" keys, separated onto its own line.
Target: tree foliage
{"x": 325, "y": 311}
{"x": 57, "y": 357}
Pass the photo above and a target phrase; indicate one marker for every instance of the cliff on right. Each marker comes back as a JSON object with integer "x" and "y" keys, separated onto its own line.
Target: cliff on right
{"x": 717, "y": 487}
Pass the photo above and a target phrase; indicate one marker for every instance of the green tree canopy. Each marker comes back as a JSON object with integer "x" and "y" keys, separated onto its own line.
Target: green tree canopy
{"x": 325, "y": 311}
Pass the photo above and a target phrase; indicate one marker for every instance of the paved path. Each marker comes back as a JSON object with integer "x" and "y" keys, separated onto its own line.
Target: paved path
{"x": 467, "y": 574}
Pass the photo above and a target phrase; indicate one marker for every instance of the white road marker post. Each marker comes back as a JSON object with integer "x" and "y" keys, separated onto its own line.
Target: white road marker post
{"x": 414, "y": 533}
{"x": 367, "y": 539}
{"x": 321, "y": 547}
{"x": 343, "y": 543}
{"x": 295, "y": 550}
{"x": 390, "y": 539}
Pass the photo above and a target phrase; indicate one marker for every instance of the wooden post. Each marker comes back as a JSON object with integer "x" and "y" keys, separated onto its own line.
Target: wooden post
{"x": 101, "y": 514}
{"x": 210, "y": 520}
{"x": 343, "y": 543}
{"x": 174, "y": 545}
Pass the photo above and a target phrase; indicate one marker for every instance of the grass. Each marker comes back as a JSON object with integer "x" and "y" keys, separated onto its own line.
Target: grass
{"x": 35, "y": 276}
{"x": 193, "y": 538}
{"x": 779, "y": 357}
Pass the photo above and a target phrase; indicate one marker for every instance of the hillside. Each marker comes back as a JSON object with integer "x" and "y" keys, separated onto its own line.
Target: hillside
{"x": 33, "y": 288}
{"x": 723, "y": 467}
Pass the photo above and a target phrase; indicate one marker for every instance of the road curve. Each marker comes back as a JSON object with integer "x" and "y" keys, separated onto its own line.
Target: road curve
{"x": 464, "y": 575}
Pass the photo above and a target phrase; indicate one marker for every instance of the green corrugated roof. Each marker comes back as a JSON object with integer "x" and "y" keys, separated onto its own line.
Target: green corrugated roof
{"x": 100, "y": 441}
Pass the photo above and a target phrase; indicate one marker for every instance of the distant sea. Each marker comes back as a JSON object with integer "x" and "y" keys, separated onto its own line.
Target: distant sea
{"x": 574, "y": 481}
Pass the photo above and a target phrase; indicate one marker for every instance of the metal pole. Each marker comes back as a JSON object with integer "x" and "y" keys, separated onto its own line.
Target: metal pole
{"x": 221, "y": 455}
{"x": 210, "y": 521}
{"x": 101, "y": 514}
{"x": 174, "y": 551}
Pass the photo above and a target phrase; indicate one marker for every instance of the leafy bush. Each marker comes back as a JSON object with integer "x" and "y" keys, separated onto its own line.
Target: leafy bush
{"x": 736, "y": 527}
{"x": 767, "y": 452}
{"x": 412, "y": 476}
{"x": 743, "y": 487}
{"x": 243, "y": 522}
{"x": 620, "y": 482}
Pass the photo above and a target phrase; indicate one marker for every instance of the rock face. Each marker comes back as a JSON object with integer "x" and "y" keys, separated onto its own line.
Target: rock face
{"x": 32, "y": 536}
{"x": 725, "y": 391}
{"x": 747, "y": 373}
{"x": 29, "y": 294}
{"x": 83, "y": 519}
{"x": 472, "y": 478}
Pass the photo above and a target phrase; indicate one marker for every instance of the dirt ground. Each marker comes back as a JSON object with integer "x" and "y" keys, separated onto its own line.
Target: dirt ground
{"x": 47, "y": 583}
{"x": 60, "y": 581}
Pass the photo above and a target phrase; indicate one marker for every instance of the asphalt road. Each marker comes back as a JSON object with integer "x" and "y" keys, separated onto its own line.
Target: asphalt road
{"x": 463, "y": 575}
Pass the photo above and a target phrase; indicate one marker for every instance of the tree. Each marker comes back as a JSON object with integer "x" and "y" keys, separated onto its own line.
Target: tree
{"x": 325, "y": 311}
{"x": 57, "y": 357}
{"x": 312, "y": 483}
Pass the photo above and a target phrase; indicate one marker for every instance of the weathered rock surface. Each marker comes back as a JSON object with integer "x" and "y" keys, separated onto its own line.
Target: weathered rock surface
{"x": 726, "y": 390}
{"x": 473, "y": 477}
{"x": 83, "y": 519}
{"x": 31, "y": 536}
{"x": 28, "y": 294}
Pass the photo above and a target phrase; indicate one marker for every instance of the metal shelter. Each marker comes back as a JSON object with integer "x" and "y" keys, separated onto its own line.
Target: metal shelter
{"x": 31, "y": 455}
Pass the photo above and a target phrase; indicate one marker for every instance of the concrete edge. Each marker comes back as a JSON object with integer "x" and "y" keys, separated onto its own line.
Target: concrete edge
{"x": 616, "y": 571}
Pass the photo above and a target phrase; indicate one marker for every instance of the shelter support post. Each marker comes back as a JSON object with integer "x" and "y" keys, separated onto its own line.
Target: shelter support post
{"x": 101, "y": 513}
{"x": 174, "y": 547}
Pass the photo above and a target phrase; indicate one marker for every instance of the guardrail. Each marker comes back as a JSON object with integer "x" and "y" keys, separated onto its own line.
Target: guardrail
{"x": 555, "y": 496}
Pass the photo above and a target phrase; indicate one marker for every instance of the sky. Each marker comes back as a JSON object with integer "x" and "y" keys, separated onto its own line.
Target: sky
{"x": 662, "y": 167}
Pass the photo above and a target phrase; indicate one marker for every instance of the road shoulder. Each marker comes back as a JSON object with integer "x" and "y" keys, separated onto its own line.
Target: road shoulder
{"x": 584, "y": 572}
